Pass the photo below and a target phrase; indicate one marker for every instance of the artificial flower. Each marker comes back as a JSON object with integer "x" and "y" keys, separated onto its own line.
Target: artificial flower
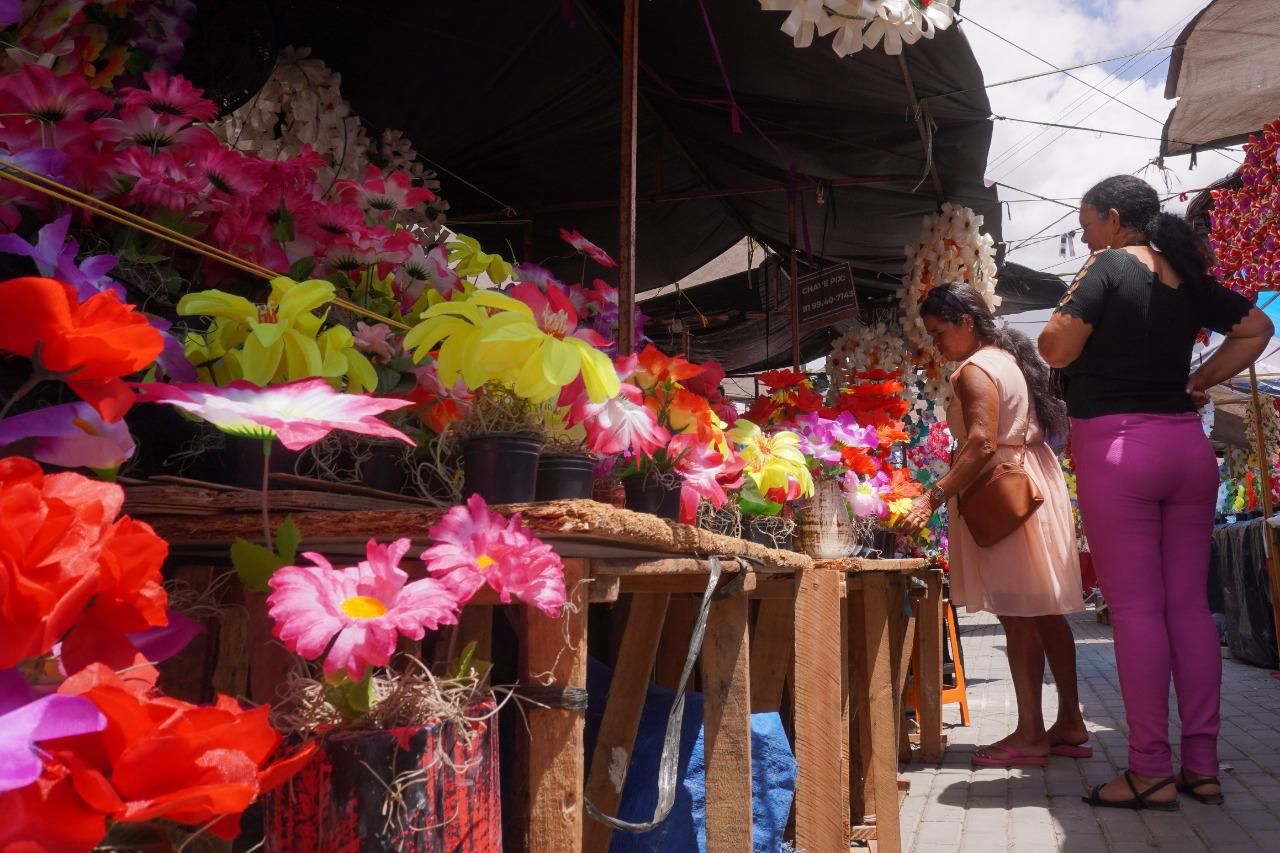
{"x": 299, "y": 413}
{"x": 55, "y": 257}
{"x": 701, "y": 470}
{"x": 380, "y": 194}
{"x": 67, "y": 563}
{"x": 375, "y": 339}
{"x": 652, "y": 366}
{"x": 71, "y": 435}
{"x": 475, "y": 546}
{"x": 586, "y": 247}
{"x": 774, "y": 462}
{"x": 38, "y": 94}
{"x": 863, "y": 494}
{"x": 358, "y": 612}
{"x": 170, "y": 95}
{"x": 50, "y": 816}
{"x": 90, "y": 344}
{"x": 26, "y": 720}
{"x": 621, "y": 424}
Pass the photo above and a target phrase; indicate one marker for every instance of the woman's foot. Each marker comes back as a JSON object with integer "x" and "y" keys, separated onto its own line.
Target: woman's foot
{"x": 1206, "y": 789}
{"x": 1017, "y": 745}
{"x": 1118, "y": 790}
{"x": 1068, "y": 733}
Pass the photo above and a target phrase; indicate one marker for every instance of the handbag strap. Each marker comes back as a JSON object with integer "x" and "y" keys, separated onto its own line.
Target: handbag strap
{"x": 1026, "y": 430}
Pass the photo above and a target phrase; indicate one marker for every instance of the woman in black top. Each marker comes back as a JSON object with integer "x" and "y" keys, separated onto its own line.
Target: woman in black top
{"x": 1123, "y": 336}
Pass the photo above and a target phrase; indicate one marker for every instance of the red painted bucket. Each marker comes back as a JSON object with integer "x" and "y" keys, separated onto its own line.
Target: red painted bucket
{"x": 339, "y": 802}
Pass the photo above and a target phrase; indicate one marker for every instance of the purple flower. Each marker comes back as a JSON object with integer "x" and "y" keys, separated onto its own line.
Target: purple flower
{"x": 25, "y": 720}
{"x": 72, "y": 435}
{"x": 163, "y": 642}
{"x": 10, "y": 12}
{"x": 161, "y": 31}
{"x": 55, "y": 257}
{"x": 535, "y": 274}
{"x": 850, "y": 433}
{"x": 172, "y": 363}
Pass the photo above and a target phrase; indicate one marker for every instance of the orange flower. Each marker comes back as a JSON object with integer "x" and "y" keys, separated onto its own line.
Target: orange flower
{"x": 654, "y": 366}
{"x": 858, "y": 460}
{"x": 902, "y": 486}
{"x": 91, "y": 344}
{"x": 162, "y": 758}
{"x": 891, "y": 433}
{"x": 688, "y": 412}
{"x": 64, "y": 557}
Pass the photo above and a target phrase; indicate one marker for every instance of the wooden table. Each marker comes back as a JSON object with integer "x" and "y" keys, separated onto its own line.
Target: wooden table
{"x": 876, "y": 633}
{"x": 609, "y": 552}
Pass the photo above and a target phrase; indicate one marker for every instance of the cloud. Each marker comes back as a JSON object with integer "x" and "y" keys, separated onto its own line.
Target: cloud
{"x": 1063, "y": 164}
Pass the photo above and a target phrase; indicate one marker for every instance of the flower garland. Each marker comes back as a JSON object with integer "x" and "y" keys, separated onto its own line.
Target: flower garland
{"x": 882, "y": 348}
{"x": 1244, "y": 225}
{"x": 863, "y": 23}
{"x": 300, "y": 107}
{"x": 1270, "y": 444}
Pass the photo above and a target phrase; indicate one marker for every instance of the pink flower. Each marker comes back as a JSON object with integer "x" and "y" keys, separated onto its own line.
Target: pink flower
{"x": 554, "y": 312}
{"x": 173, "y": 96}
{"x": 227, "y": 172}
{"x": 375, "y": 339}
{"x": 621, "y": 424}
{"x": 37, "y": 93}
{"x": 475, "y": 546}
{"x": 701, "y": 469}
{"x": 162, "y": 181}
{"x": 433, "y": 268}
{"x": 72, "y": 435}
{"x": 586, "y": 247}
{"x": 298, "y": 413}
{"x": 359, "y": 609}
{"x": 384, "y": 194}
{"x": 150, "y": 129}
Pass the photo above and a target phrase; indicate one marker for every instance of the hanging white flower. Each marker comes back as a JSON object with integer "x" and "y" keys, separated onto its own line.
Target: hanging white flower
{"x": 863, "y": 23}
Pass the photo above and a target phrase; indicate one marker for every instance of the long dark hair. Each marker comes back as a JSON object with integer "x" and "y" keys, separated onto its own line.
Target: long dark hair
{"x": 1139, "y": 207}
{"x": 953, "y": 302}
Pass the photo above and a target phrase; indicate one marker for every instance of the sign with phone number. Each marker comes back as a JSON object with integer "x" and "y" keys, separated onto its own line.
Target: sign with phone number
{"x": 827, "y": 296}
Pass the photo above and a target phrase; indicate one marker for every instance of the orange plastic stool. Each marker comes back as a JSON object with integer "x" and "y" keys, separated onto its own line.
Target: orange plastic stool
{"x": 949, "y": 694}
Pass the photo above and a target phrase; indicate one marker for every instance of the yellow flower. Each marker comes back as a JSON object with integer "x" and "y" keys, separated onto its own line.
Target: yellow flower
{"x": 276, "y": 342}
{"x": 772, "y": 461}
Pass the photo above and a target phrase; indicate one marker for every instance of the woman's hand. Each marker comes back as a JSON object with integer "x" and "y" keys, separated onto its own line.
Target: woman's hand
{"x": 918, "y": 518}
{"x": 1196, "y": 391}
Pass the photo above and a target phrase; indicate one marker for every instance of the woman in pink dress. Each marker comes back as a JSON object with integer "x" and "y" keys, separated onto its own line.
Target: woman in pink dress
{"x": 1002, "y": 409}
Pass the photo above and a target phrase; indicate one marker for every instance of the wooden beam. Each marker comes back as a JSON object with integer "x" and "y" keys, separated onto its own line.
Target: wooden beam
{"x": 554, "y": 747}
{"x": 929, "y": 626}
{"x": 627, "y": 179}
{"x": 1264, "y": 471}
{"x": 820, "y": 821}
{"x": 771, "y": 643}
{"x": 726, "y": 692}
{"x": 627, "y": 690}
{"x": 883, "y": 751}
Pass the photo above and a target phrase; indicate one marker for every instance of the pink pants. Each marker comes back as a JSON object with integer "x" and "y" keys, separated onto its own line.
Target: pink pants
{"x": 1147, "y": 486}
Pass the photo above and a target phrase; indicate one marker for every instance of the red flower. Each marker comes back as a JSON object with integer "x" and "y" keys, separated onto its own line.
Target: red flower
{"x": 93, "y": 344}
{"x": 50, "y": 816}
{"x": 858, "y": 460}
{"x": 162, "y": 758}
{"x": 778, "y": 379}
{"x": 60, "y": 548}
{"x": 653, "y": 366}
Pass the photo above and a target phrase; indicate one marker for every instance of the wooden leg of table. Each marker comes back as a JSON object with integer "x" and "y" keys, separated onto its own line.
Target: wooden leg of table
{"x": 884, "y": 751}
{"x": 475, "y": 625}
{"x": 903, "y": 658}
{"x": 820, "y": 821}
{"x": 612, "y": 755}
{"x": 845, "y": 685}
{"x": 726, "y": 694}
{"x": 674, "y": 647}
{"x": 861, "y": 780}
{"x": 555, "y": 749}
{"x": 930, "y": 675}
{"x": 771, "y": 645}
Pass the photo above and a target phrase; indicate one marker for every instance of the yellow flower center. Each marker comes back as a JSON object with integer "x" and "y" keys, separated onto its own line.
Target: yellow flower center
{"x": 484, "y": 561}
{"x": 363, "y": 607}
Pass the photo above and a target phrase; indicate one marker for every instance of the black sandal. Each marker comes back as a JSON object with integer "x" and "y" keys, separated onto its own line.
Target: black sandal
{"x": 1189, "y": 788}
{"x": 1137, "y": 801}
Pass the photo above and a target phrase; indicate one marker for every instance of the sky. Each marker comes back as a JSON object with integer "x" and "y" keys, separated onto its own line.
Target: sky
{"x": 1063, "y": 164}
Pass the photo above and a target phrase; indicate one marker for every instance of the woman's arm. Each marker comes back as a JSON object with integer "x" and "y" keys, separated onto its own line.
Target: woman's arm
{"x": 1063, "y": 339}
{"x": 980, "y": 402}
{"x": 1245, "y": 342}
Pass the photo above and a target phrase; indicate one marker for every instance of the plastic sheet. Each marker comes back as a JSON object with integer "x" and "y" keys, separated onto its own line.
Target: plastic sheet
{"x": 1241, "y": 564}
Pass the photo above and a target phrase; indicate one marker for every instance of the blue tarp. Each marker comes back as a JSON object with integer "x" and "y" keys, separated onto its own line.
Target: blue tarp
{"x": 772, "y": 763}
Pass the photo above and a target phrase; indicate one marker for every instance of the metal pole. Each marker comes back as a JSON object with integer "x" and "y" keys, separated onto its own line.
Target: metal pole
{"x": 1264, "y": 471}
{"x": 627, "y": 181}
{"x": 795, "y": 283}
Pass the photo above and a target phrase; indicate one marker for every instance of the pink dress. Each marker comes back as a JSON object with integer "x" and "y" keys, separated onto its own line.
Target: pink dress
{"x": 1035, "y": 571}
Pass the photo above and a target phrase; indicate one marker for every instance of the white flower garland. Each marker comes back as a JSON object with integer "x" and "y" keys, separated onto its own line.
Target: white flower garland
{"x": 950, "y": 249}
{"x": 882, "y": 347}
{"x": 863, "y": 23}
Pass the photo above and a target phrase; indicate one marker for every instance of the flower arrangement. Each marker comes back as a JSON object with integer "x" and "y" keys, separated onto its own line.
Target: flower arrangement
{"x": 863, "y": 23}
{"x": 1243, "y": 233}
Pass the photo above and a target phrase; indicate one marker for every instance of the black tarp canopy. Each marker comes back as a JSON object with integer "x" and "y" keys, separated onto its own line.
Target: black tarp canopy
{"x": 520, "y": 103}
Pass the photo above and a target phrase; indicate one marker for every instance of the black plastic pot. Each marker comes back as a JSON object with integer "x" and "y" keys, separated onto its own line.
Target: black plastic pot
{"x": 751, "y": 533}
{"x": 383, "y": 469}
{"x": 651, "y": 495}
{"x": 564, "y": 476}
{"x": 502, "y": 469}
{"x": 242, "y": 461}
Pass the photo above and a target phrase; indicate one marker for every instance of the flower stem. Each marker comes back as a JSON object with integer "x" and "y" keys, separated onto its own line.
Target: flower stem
{"x": 266, "y": 515}
{"x": 23, "y": 390}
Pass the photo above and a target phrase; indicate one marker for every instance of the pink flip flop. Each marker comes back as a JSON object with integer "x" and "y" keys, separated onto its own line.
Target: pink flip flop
{"x": 1012, "y": 758}
{"x": 1070, "y": 750}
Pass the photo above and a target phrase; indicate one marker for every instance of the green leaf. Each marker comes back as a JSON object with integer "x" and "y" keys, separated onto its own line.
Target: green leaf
{"x": 352, "y": 698}
{"x": 751, "y": 502}
{"x": 301, "y": 269}
{"x": 254, "y": 564}
{"x": 282, "y": 231}
{"x": 175, "y": 221}
{"x": 465, "y": 662}
{"x": 287, "y": 539}
{"x": 388, "y": 379}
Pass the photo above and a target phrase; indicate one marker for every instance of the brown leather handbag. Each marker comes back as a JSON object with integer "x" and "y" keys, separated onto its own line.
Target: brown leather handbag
{"x": 1001, "y": 499}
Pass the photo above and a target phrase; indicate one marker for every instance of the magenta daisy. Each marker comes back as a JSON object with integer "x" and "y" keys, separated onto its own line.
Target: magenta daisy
{"x": 360, "y": 609}
{"x": 384, "y": 194}
{"x": 173, "y": 96}
{"x": 475, "y": 546}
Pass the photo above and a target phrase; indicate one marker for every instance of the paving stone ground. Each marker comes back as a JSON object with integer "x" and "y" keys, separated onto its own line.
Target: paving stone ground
{"x": 954, "y": 807}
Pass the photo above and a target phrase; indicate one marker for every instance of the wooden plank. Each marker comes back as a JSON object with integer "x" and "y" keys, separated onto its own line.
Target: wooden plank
{"x": 778, "y": 585}
{"x": 612, "y": 755}
{"x": 883, "y": 752}
{"x": 231, "y": 672}
{"x": 674, "y": 645}
{"x": 772, "y": 640}
{"x": 929, "y": 626}
{"x": 556, "y": 648}
{"x": 678, "y": 584}
{"x": 820, "y": 821}
{"x": 903, "y": 640}
{"x": 861, "y": 781}
{"x": 858, "y": 564}
{"x": 269, "y": 661}
{"x": 632, "y": 567}
{"x": 845, "y": 769}
{"x": 726, "y": 691}
{"x": 187, "y": 674}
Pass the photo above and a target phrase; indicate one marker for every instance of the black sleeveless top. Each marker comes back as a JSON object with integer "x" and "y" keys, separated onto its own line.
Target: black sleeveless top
{"x": 1138, "y": 356}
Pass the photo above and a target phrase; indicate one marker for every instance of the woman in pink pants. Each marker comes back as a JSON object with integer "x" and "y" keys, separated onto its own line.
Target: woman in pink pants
{"x": 1123, "y": 335}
